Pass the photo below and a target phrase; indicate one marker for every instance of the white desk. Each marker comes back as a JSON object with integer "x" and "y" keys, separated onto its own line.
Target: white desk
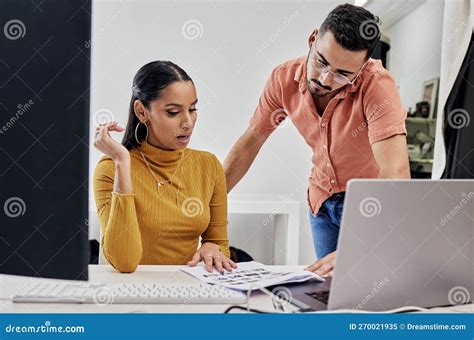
{"x": 106, "y": 274}
{"x": 156, "y": 274}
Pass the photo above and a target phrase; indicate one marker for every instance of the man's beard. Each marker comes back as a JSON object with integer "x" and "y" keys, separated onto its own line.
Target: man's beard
{"x": 317, "y": 93}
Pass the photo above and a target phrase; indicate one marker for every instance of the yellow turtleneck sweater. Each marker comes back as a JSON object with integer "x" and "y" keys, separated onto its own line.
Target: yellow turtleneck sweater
{"x": 161, "y": 225}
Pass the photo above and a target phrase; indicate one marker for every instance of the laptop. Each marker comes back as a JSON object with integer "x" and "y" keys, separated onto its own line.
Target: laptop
{"x": 401, "y": 243}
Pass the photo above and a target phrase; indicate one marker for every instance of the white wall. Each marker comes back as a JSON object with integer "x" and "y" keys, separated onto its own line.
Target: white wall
{"x": 415, "y": 54}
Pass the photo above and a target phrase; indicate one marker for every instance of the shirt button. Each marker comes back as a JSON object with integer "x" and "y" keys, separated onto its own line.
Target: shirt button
{"x": 324, "y": 146}
{"x": 333, "y": 181}
{"x": 323, "y": 124}
{"x": 328, "y": 164}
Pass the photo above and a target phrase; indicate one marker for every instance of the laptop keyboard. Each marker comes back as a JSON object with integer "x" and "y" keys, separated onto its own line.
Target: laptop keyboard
{"x": 321, "y": 296}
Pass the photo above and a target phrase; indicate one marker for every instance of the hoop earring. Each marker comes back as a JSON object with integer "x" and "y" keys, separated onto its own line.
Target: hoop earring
{"x": 136, "y": 130}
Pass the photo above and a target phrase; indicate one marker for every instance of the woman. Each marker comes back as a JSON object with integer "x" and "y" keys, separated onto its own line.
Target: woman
{"x": 155, "y": 197}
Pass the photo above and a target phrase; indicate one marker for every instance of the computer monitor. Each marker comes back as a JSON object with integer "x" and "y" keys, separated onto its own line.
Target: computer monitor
{"x": 44, "y": 138}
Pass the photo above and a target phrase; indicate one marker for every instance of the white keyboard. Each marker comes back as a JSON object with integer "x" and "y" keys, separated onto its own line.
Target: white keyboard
{"x": 129, "y": 293}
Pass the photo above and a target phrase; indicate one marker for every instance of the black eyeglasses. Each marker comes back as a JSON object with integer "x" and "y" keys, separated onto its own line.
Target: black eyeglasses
{"x": 338, "y": 78}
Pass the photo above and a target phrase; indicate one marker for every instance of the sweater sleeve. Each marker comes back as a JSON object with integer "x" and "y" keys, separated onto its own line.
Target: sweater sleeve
{"x": 121, "y": 240}
{"x": 216, "y": 232}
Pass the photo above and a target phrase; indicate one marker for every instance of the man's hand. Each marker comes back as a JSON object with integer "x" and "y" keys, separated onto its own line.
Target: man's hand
{"x": 324, "y": 266}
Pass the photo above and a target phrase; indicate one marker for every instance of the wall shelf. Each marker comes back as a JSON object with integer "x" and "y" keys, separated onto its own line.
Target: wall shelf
{"x": 420, "y": 120}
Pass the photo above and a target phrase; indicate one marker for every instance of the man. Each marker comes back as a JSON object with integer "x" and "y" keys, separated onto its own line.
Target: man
{"x": 347, "y": 108}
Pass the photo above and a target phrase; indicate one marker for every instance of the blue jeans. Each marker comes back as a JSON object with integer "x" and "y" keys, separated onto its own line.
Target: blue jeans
{"x": 325, "y": 225}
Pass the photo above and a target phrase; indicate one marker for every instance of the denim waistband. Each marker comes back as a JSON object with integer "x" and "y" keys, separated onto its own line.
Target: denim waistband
{"x": 338, "y": 195}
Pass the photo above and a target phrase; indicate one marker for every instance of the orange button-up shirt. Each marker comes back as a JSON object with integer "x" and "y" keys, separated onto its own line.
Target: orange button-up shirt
{"x": 359, "y": 115}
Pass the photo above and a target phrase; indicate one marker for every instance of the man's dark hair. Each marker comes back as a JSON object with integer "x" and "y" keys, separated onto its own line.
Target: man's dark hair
{"x": 354, "y": 27}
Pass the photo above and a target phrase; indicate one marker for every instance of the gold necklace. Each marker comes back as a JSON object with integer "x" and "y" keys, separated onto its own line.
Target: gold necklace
{"x": 160, "y": 183}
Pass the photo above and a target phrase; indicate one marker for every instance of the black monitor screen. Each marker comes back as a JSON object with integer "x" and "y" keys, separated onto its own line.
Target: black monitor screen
{"x": 44, "y": 134}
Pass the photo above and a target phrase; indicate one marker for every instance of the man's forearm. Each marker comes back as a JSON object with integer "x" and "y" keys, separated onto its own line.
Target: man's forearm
{"x": 396, "y": 172}
{"x": 237, "y": 164}
{"x": 391, "y": 155}
{"x": 398, "y": 168}
{"x": 241, "y": 156}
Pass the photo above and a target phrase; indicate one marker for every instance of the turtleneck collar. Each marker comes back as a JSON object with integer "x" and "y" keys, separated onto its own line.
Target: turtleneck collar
{"x": 160, "y": 156}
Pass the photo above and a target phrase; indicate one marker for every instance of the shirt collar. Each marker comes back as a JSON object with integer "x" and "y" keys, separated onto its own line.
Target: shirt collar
{"x": 158, "y": 156}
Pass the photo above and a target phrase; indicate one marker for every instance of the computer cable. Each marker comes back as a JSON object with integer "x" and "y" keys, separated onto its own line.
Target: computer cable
{"x": 279, "y": 306}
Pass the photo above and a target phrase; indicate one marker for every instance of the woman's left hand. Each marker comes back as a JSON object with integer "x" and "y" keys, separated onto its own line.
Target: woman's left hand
{"x": 212, "y": 256}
